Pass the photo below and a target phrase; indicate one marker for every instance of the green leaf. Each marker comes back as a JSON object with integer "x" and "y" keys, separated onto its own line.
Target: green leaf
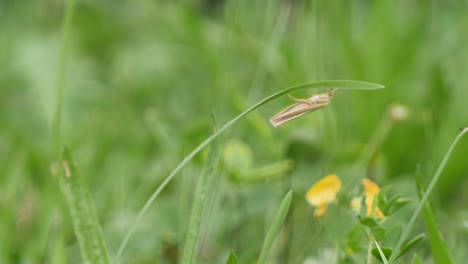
{"x": 396, "y": 203}
{"x": 232, "y": 258}
{"x": 400, "y": 203}
{"x": 339, "y": 84}
{"x": 386, "y": 251}
{"x": 382, "y": 197}
{"x": 393, "y": 200}
{"x": 85, "y": 222}
{"x": 275, "y": 227}
{"x": 390, "y": 206}
{"x": 410, "y": 244}
{"x": 369, "y": 221}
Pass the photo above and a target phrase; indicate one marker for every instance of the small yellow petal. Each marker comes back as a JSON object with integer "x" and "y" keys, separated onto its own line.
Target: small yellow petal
{"x": 370, "y": 187}
{"x": 324, "y": 191}
{"x": 371, "y": 190}
{"x": 320, "y": 211}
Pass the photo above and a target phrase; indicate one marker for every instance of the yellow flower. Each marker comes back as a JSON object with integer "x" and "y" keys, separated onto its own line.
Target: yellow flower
{"x": 371, "y": 190}
{"x": 323, "y": 192}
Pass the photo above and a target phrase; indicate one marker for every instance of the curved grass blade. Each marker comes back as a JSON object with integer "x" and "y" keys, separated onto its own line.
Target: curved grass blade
{"x": 428, "y": 191}
{"x": 339, "y": 84}
{"x": 275, "y": 227}
{"x": 85, "y": 222}
{"x": 191, "y": 242}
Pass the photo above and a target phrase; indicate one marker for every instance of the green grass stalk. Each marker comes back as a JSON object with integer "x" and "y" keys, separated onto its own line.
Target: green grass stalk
{"x": 60, "y": 81}
{"x": 191, "y": 242}
{"x": 382, "y": 255}
{"x": 87, "y": 229}
{"x": 275, "y": 227}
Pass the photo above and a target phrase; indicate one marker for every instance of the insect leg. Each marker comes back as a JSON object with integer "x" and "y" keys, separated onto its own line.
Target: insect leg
{"x": 299, "y": 100}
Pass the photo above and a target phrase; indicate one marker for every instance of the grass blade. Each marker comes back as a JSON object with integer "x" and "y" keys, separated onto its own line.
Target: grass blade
{"x": 440, "y": 251}
{"x": 416, "y": 260}
{"x": 60, "y": 81}
{"x": 411, "y": 243}
{"x": 191, "y": 242}
{"x": 428, "y": 191}
{"x": 352, "y": 85}
{"x": 275, "y": 227}
{"x": 86, "y": 225}
{"x": 85, "y": 222}
{"x": 232, "y": 258}
{"x": 381, "y": 253}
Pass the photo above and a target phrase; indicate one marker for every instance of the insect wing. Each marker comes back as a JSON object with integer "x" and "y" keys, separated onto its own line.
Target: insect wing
{"x": 294, "y": 111}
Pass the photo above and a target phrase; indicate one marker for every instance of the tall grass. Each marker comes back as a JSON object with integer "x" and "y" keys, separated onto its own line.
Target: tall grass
{"x": 129, "y": 87}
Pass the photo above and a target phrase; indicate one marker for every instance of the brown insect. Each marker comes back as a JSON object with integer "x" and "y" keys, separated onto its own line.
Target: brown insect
{"x": 302, "y": 107}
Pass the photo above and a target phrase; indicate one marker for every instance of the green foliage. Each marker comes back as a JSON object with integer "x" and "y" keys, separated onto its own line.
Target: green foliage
{"x": 390, "y": 206}
{"x": 386, "y": 252}
{"x": 369, "y": 221}
{"x": 130, "y": 85}
{"x": 408, "y": 245}
{"x": 352, "y": 85}
{"x": 399, "y": 248}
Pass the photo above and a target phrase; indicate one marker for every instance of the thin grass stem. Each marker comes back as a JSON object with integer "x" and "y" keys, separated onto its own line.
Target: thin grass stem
{"x": 60, "y": 81}
{"x": 191, "y": 242}
{"x": 275, "y": 227}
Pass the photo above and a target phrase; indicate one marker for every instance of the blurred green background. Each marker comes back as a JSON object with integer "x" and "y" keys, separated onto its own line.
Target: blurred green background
{"x": 143, "y": 79}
